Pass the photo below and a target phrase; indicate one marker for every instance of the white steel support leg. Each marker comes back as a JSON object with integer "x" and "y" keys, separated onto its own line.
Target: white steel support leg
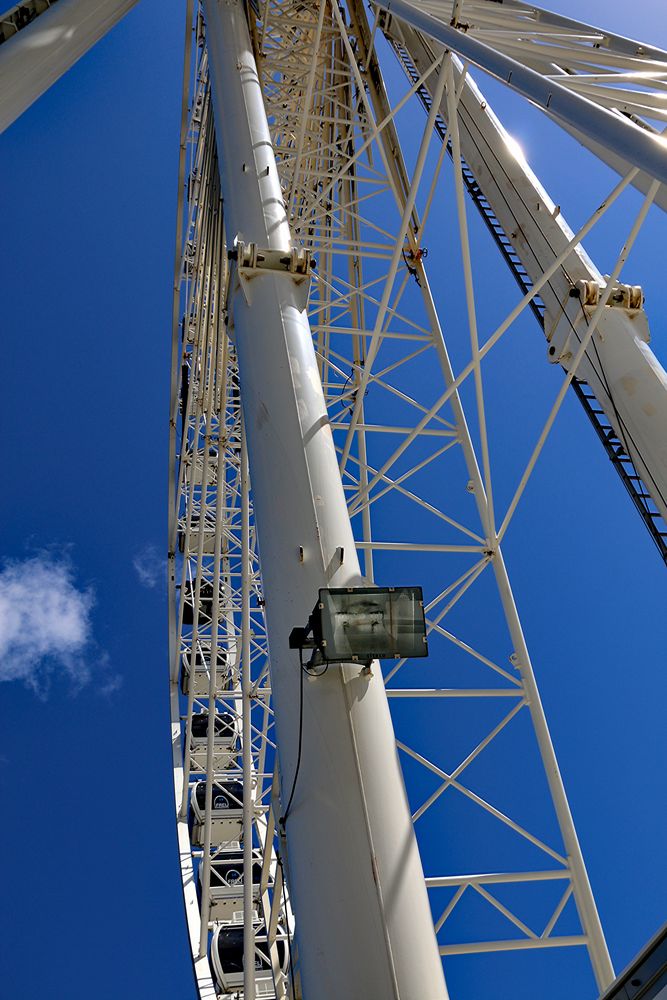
{"x": 364, "y": 925}
{"x": 583, "y": 894}
{"x": 448, "y": 74}
{"x": 32, "y": 60}
{"x": 585, "y": 902}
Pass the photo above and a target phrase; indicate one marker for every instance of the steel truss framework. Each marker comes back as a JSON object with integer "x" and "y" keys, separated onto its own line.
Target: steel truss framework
{"x": 215, "y": 572}
{"x": 417, "y": 471}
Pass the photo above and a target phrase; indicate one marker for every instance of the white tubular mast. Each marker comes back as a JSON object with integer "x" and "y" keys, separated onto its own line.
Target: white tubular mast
{"x": 364, "y": 923}
{"x": 38, "y": 55}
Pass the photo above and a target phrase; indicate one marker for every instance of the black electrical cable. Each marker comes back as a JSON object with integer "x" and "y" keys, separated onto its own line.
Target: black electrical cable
{"x": 316, "y": 673}
{"x": 302, "y": 671}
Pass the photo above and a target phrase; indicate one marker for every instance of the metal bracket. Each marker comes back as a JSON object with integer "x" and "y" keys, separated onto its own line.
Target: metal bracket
{"x": 628, "y": 297}
{"x": 251, "y": 259}
{"x": 624, "y": 310}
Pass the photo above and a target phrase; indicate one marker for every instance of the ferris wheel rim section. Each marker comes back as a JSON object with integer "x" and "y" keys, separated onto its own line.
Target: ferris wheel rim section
{"x": 193, "y": 87}
{"x": 615, "y": 133}
{"x": 200, "y": 963}
{"x": 182, "y": 833}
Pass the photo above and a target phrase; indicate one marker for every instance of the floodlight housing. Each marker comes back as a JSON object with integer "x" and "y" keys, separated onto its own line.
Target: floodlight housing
{"x": 360, "y": 624}
{"x": 646, "y": 976}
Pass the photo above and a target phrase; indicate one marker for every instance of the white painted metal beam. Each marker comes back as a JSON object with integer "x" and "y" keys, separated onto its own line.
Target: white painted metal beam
{"x": 363, "y": 922}
{"x": 628, "y": 380}
{"x": 612, "y": 42}
{"x": 618, "y": 134}
{"x": 38, "y": 55}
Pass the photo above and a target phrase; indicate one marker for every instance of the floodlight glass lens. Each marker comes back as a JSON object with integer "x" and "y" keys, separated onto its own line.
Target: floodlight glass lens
{"x": 372, "y": 623}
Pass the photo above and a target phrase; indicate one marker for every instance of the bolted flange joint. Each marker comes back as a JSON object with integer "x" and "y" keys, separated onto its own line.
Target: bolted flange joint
{"x": 250, "y": 259}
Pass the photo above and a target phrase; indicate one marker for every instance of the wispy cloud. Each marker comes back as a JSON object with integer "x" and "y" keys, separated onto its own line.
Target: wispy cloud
{"x": 45, "y": 623}
{"x": 150, "y": 567}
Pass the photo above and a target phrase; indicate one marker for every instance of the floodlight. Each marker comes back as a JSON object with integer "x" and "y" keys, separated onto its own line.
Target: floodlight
{"x": 646, "y": 976}
{"x": 353, "y": 624}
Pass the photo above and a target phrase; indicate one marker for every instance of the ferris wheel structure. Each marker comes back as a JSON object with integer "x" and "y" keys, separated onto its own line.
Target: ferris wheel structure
{"x": 338, "y": 395}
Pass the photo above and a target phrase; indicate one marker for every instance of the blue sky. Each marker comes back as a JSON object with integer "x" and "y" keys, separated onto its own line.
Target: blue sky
{"x": 91, "y": 895}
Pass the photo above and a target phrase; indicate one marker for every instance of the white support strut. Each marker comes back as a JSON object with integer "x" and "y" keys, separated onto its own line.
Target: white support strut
{"x": 618, "y": 135}
{"x": 364, "y": 926}
{"x": 627, "y": 379}
{"x": 38, "y": 55}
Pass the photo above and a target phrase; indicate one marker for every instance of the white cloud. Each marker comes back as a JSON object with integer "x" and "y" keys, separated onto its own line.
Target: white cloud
{"x": 150, "y": 567}
{"x": 45, "y": 625}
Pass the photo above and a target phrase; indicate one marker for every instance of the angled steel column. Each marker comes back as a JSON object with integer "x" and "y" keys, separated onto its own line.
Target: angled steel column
{"x": 38, "y": 55}
{"x": 364, "y": 925}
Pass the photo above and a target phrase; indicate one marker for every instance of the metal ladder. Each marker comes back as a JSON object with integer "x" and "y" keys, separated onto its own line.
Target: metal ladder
{"x": 624, "y": 465}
